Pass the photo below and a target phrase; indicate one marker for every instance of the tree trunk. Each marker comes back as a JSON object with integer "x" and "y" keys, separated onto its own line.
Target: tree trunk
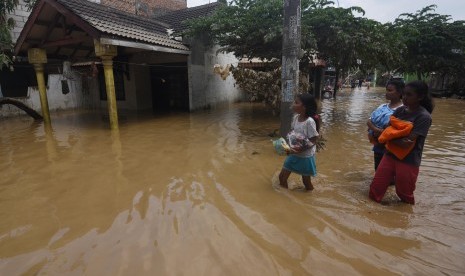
{"x": 31, "y": 112}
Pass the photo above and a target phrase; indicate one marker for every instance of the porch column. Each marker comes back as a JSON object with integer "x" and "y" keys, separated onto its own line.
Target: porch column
{"x": 38, "y": 57}
{"x": 106, "y": 53}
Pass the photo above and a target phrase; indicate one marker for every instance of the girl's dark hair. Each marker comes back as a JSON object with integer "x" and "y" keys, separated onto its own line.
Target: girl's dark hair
{"x": 311, "y": 107}
{"x": 421, "y": 88}
{"x": 399, "y": 85}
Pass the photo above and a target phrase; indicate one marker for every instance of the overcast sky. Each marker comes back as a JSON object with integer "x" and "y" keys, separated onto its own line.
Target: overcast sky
{"x": 387, "y": 10}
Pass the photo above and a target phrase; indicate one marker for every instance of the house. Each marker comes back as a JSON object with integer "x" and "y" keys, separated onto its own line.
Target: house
{"x": 113, "y": 55}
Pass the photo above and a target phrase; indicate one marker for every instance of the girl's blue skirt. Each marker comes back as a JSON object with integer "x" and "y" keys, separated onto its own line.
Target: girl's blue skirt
{"x": 301, "y": 165}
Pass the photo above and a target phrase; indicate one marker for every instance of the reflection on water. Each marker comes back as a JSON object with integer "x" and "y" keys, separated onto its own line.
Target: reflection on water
{"x": 193, "y": 194}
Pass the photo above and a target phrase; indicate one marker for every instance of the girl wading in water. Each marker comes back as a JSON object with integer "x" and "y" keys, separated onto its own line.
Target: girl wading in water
{"x": 401, "y": 162}
{"x": 302, "y": 139}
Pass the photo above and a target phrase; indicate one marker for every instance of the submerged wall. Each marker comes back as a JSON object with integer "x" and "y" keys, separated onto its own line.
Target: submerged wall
{"x": 207, "y": 88}
{"x": 83, "y": 92}
{"x": 79, "y": 96}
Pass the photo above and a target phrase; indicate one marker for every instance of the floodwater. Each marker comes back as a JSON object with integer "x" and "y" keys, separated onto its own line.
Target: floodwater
{"x": 195, "y": 194}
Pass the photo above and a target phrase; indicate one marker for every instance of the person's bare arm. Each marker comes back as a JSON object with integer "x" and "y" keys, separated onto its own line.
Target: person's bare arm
{"x": 298, "y": 149}
{"x": 376, "y": 130}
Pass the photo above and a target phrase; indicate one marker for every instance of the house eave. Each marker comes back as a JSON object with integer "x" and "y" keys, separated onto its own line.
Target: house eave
{"x": 141, "y": 45}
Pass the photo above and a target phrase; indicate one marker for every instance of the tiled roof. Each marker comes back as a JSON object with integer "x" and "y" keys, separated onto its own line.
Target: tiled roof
{"x": 177, "y": 19}
{"x": 121, "y": 24}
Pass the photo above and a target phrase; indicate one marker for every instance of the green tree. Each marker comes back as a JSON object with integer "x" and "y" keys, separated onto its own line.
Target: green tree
{"x": 389, "y": 57}
{"x": 456, "y": 65}
{"x": 248, "y": 28}
{"x": 351, "y": 42}
{"x": 337, "y": 35}
{"x": 433, "y": 44}
{"x": 6, "y": 24}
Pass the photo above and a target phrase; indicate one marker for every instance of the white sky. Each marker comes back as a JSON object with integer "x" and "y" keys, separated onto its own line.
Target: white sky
{"x": 388, "y": 10}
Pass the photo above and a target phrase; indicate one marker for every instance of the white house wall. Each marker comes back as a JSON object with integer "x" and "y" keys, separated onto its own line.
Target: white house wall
{"x": 76, "y": 98}
{"x": 207, "y": 88}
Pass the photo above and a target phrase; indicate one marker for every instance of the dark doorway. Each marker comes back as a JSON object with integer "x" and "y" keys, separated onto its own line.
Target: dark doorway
{"x": 120, "y": 71}
{"x": 170, "y": 90}
{"x": 14, "y": 84}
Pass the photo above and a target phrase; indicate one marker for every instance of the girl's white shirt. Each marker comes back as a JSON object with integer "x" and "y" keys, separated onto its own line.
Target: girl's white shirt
{"x": 307, "y": 128}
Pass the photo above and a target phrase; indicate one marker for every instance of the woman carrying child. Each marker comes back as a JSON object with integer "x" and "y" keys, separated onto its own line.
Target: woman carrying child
{"x": 417, "y": 109}
{"x": 302, "y": 138}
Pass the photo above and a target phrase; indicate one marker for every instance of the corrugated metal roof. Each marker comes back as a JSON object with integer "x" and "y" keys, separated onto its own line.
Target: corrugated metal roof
{"x": 117, "y": 23}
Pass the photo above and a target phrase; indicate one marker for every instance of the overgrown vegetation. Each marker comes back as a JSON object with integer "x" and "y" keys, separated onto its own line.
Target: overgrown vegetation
{"x": 433, "y": 43}
{"x": 6, "y": 25}
{"x": 265, "y": 86}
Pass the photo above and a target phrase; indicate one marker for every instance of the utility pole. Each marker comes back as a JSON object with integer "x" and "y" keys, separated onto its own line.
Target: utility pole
{"x": 290, "y": 62}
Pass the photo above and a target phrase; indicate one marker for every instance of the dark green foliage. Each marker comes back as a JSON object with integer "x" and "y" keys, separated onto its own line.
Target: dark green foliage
{"x": 433, "y": 43}
{"x": 245, "y": 27}
{"x": 6, "y": 24}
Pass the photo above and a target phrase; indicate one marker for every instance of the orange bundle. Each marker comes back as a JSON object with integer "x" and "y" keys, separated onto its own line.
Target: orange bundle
{"x": 397, "y": 129}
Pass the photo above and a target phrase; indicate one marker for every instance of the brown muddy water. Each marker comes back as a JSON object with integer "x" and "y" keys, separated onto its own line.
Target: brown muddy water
{"x": 195, "y": 194}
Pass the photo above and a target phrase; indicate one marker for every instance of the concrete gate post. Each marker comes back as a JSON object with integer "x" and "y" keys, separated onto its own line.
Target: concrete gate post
{"x": 290, "y": 62}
